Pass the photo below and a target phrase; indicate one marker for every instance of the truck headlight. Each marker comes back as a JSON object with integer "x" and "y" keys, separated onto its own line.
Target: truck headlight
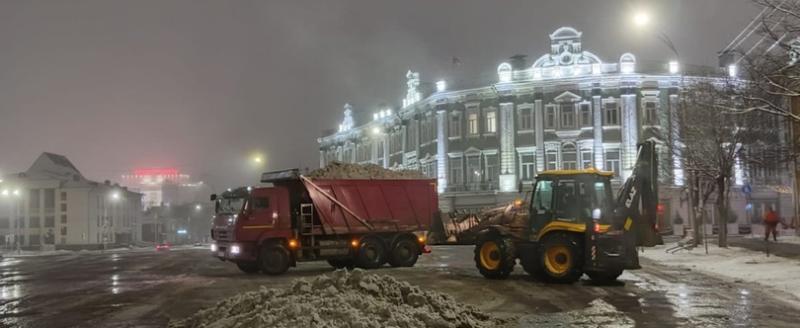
{"x": 235, "y": 249}
{"x": 213, "y": 247}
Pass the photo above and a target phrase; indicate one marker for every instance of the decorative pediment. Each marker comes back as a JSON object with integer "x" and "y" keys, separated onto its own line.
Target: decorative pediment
{"x": 568, "y": 97}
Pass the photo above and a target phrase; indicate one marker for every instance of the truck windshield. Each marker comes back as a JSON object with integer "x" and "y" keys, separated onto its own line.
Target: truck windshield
{"x": 229, "y": 205}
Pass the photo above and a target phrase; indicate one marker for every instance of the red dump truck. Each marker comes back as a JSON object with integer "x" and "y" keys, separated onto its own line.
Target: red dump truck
{"x": 348, "y": 222}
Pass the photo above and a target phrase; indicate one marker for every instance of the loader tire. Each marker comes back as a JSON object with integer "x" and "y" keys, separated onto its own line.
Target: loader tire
{"x": 371, "y": 254}
{"x": 495, "y": 256}
{"x": 405, "y": 253}
{"x": 561, "y": 258}
{"x": 274, "y": 259}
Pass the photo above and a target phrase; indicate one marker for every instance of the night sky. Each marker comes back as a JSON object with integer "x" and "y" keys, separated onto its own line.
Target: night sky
{"x": 199, "y": 85}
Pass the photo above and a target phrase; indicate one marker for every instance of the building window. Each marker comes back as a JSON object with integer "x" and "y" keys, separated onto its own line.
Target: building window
{"x": 569, "y": 157}
{"x": 612, "y": 161}
{"x": 428, "y": 129}
{"x": 551, "y": 159}
{"x": 491, "y": 122}
{"x": 429, "y": 169}
{"x": 587, "y": 158}
{"x": 455, "y": 125}
{"x": 33, "y": 200}
{"x": 550, "y": 117}
{"x": 63, "y": 196}
{"x": 650, "y": 113}
{"x": 527, "y": 166}
{"x": 4, "y": 223}
{"x": 473, "y": 123}
{"x": 586, "y": 115}
{"x": 34, "y": 222}
{"x": 492, "y": 169}
{"x": 35, "y": 239}
{"x": 412, "y": 135}
{"x": 50, "y": 199}
{"x": 474, "y": 169}
{"x": 395, "y": 142}
{"x": 363, "y": 152}
{"x": 526, "y": 119}
{"x": 49, "y": 221}
{"x": 63, "y": 219}
{"x": 567, "y": 116}
{"x": 610, "y": 114}
{"x": 456, "y": 172}
{"x": 63, "y": 232}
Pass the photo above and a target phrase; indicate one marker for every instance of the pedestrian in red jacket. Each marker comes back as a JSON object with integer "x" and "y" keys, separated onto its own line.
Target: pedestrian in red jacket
{"x": 771, "y": 221}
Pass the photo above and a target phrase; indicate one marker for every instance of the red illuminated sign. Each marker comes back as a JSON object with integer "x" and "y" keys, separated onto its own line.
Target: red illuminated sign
{"x": 156, "y": 171}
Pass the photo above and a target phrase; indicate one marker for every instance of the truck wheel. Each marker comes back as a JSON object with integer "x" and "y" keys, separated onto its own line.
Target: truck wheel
{"x": 604, "y": 277}
{"x": 274, "y": 259}
{"x": 495, "y": 257}
{"x": 561, "y": 257}
{"x": 248, "y": 267}
{"x": 341, "y": 263}
{"x": 404, "y": 253}
{"x": 371, "y": 254}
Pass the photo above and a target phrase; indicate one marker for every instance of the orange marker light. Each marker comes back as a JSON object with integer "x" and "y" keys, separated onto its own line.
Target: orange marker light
{"x": 354, "y": 243}
{"x": 421, "y": 239}
{"x": 292, "y": 243}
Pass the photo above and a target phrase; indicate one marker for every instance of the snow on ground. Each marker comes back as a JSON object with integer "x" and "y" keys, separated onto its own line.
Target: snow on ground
{"x": 738, "y": 264}
{"x": 782, "y": 238}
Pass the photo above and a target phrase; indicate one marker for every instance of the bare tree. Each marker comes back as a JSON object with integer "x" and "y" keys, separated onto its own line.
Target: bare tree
{"x": 714, "y": 143}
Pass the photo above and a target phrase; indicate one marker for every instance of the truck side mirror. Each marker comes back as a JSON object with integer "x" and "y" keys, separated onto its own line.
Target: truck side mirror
{"x": 213, "y": 197}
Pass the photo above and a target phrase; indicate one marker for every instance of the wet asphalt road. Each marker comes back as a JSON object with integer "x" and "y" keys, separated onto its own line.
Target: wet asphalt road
{"x": 147, "y": 289}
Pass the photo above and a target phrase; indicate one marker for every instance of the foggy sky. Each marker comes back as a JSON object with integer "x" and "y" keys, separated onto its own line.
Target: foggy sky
{"x": 199, "y": 85}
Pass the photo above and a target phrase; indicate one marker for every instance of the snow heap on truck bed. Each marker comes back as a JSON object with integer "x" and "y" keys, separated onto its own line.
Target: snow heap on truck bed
{"x": 341, "y": 299}
{"x": 339, "y": 170}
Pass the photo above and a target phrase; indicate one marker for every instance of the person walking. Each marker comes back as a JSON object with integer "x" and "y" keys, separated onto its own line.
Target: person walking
{"x": 771, "y": 221}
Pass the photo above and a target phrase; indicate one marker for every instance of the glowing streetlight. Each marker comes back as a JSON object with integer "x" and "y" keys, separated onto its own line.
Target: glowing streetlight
{"x": 198, "y": 207}
{"x": 641, "y": 18}
{"x": 115, "y": 195}
{"x": 16, "y": 192}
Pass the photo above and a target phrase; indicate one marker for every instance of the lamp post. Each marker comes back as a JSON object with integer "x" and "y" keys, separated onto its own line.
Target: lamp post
{"x": 13, "y": 197}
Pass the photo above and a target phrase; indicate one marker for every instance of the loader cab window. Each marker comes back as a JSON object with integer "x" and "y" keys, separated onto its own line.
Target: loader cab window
{"x": 568, "y": 198}
{"x": 541, "y": 207}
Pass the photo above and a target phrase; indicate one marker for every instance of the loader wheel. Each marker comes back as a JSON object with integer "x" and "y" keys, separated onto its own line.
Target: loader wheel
{"x": 341, "y": 263}
{"x": 561, "y": 258}
{"x": 371, "y": 254}
{"x": 404, "y": 253}
{"x": 604, "y": 277}
{"x": 274, "y": 259}
{"x": 248, "y": 267}
{"x": 495, "y": 256}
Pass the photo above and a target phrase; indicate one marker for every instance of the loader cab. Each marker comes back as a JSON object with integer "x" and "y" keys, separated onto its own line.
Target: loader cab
{"x": 571, "y": 196}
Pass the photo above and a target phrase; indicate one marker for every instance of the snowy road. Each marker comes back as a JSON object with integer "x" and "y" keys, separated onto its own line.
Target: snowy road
{"x": 135, "y": 289}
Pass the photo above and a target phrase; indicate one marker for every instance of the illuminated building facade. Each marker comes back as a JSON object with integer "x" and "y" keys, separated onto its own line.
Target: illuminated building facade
{"x": 567, "y": 109}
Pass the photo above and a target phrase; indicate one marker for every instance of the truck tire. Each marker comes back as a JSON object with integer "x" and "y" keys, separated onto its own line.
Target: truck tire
{"x": 341, "y": 263}
{"x": 274, "y": 259}
{"x": 604, "y": 277}
{"x": 495, "y": 256}
{"x": 405, "y": 253}
{"x": 561, "y": 256}
{"x": 371, "y": 254}
{"x": 248, "y": 267}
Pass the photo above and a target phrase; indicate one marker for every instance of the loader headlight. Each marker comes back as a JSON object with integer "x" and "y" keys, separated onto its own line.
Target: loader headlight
{"x": 213, "y": 247}
{"x": 235, "y": 249}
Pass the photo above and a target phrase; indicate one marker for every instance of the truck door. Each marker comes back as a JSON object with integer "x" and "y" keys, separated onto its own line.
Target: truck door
{"x": 263, "y": 209}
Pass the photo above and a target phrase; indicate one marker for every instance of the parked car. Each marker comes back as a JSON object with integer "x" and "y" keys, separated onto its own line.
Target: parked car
{"x": 163, "y": 247}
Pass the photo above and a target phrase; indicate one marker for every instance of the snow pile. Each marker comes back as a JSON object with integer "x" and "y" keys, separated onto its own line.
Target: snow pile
{"x": 341, "y": 299}
{"x": 339, "y": 170}
{"x": 738, "y": 264}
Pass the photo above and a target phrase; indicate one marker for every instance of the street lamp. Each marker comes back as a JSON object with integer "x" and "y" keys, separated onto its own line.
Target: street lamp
{"x": 13, "y": 196}
{"x": 641, "y": 18}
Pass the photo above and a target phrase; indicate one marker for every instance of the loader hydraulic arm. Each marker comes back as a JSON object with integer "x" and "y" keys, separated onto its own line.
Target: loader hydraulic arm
{"x": 637, "y": 201}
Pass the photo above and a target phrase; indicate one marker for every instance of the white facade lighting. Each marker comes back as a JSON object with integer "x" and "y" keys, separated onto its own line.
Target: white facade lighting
{"x": 504, "y": 72}
{"x": 4, "y": 192}
{"x": 376, "y": 130}
{"x": 674, "y": 67}
{"x": 441, "y": 86}
{"x": 732, "y": 70}
{"x": 596, "y": 69}
{"x": 537, "y": 73}
{"x": 388, "y": 112}
{"x": 15, "y": 192}
{"x": 375, "y": 116}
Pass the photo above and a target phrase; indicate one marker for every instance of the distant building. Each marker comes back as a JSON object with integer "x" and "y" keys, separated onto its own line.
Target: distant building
{"x": 567, "y": 109}
{"x": 161, "y": 186}
{"x": 52, "y": 203}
